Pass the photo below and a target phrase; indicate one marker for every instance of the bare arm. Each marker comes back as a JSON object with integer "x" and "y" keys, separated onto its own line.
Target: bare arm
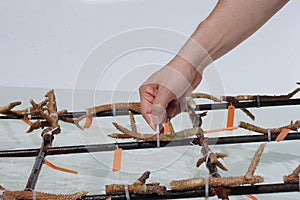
{"x": 230, "y": 23}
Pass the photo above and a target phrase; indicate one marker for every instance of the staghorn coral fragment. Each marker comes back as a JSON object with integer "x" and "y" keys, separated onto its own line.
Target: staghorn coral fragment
{"x": 138, "y": 187}
{"x": 255, "y": 161}
{"x": 194, "y": 183}
{"x": 292, "y": 126}
{"x": 28, "y": 195}
{"x": 293, "y": 177}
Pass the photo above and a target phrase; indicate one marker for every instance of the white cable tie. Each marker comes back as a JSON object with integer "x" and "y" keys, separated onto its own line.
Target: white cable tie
{"x": 207, "y": 157}
{"x": 269, "y": 135}
{"x": 157, "y": 137}
{"x": 33, "y": 194}
{"x": 258, "y": 101}
{"x": 206, "y": 187}
{"x": 213, "y": 173}
{"x": 114, "y": 112}
{"x": 28, "y": 110}
{"x": 127, "y": 192}
{"x": 117, "y": 146}
{"x": 53, "y": 115}
{"x": 51, "y": 131}
{"x": 1, "y": 194}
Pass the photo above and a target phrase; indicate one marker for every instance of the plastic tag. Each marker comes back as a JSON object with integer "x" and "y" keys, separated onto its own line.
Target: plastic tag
{"x": 117, "y": 159}
{"x": 284, "y": 132}
{"x": 27, "y": 121}
{"x": 59, "y": 168}
{"x": 88, "y": 121}
{"x": 230, "y": 116}
{"x": 167, "y": 128}
{"x": 220, "y": 130}
{"x": 251, "y": 197}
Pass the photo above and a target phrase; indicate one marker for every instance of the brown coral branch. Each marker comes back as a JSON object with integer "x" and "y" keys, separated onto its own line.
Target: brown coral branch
{"x": 214, "y": 160}
{"x": 255, "y": 161}
{"x": 37, "y": 125}
{"x": 132, "y": 122}
{"x": 70, "y": 120}
{"x": 293, "y": 177}
{"x": 189, "y": 184}
{"x": 138, "y": 187}
{"x": 266, "y": 97}
{"x": 143, "y": 178}
{"x": 248, "y": 113}
{"x": 126, "y": 133}
{"x": 254, "y": 128}
{"x": 28, "y": 195}
{"x": 7, "y": 109}
{"x": 133, "y": 106}
{"x": 205, "y": 96}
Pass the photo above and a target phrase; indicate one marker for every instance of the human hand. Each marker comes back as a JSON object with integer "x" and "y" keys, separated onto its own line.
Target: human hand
{"x": 163, "y": 94}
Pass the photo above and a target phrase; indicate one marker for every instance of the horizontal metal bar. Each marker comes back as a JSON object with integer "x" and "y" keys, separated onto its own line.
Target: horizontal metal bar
{"x": 200, "y": 107}
{"x": 239, "y": 190}
{"x": 142, "y": 145}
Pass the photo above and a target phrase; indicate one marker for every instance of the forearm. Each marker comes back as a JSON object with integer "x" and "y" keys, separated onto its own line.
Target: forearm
{"x": 230, "y": 23}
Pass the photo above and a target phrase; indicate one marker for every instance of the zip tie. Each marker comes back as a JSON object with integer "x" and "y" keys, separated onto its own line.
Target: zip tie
{"x": 127, "y": 192}
{"x": 50, "y": 132}
{"x": 206, "y": 188}
{"x": 117, "y": 146}
{"x": 207, "y": 157}
{"x": 269, "y": 135}
{"x": 1, "y": 194}
{"x": 114, "y": 112}
{"x": 33, "y": 193}
{"x": 157, "y": 137}
{"x": 53, "y": 115}
{"x": 213, "y": 173}
{"x": 258, "y": 101}
{"x": 28, "y": 110}
{"x": 49, "y": 164}
{"x": 108, "y": 198}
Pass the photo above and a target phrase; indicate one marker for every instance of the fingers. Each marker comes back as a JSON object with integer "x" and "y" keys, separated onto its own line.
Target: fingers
{"x": 161, "y": 103}
{"x": 147, "y": 96}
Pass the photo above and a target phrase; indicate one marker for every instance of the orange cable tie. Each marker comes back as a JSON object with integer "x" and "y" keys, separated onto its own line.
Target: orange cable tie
{"x": 59, "y": 168}
{"x": 27, "y": 121}
{"x": 88, "y": 121}
{"x": 284, "y": 132}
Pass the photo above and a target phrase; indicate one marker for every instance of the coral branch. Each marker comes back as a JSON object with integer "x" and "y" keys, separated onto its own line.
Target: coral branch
{"x": 126, "y": 133}
{"x": 133, "y": 106}
{"x": 293, "y": 177}
{"x": 248, "y": 113}
{"x": 139, "y": 187}
{"x": 28, "y": 195}
{"x": 143, "y": 178}
{"x": 132, "y": 122}
{"x": 254, "y": 128}
{"x": 205, "y": 96}
{"x": 252, "y": 167}
{"x": 264, "y": 97}
{"x": 214, "y": 182}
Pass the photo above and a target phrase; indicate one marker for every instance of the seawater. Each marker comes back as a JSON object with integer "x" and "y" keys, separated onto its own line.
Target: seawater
{"x": 165, "y": 164}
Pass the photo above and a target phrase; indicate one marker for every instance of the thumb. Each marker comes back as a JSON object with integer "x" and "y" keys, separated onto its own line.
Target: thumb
{"x": 163, "y": 98}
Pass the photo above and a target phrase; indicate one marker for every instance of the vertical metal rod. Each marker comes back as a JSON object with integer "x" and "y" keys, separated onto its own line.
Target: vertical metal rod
{"x": 39, "y": 161}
